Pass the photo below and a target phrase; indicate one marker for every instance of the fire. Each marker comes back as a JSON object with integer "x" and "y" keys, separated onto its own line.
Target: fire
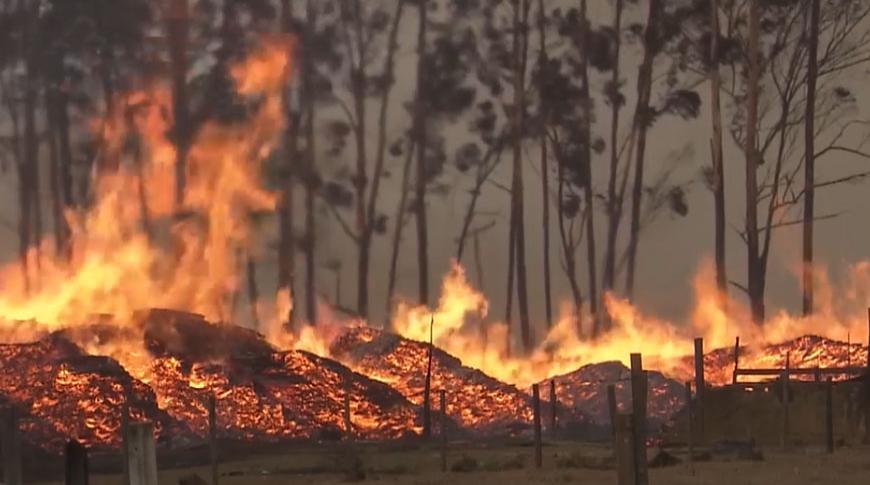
{"x": 460, "y": 327}
{"x": 129, "y": 251}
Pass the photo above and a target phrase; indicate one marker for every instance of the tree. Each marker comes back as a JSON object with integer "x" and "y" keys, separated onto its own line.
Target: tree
{"x": 420, "y": 139}
{"x": 718, "y": 172}
{"x": 642, "y": 120}
{"x": 545, "y": 174}
{"x": 810, "y": 157}
{"x": 769, "y": 112}
{"x": 615, "y": 195}
{"x": 520, "y": 58}
{"x": 753, "y": 159}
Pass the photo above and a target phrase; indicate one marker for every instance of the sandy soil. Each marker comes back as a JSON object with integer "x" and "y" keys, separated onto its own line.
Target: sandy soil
{"x": 509, "y": 465}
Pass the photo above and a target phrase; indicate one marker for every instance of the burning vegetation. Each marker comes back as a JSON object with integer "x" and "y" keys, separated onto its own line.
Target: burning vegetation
{"x": 86, "y": 340}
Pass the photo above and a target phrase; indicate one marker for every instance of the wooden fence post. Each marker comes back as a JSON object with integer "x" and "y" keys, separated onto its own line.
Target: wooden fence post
{"x": 348, "y": 424}
{"x": 736, "y": 359}
{"x": 125, "y": 425}
{"x": 75, "y": 464}
{"x": 625, "y": 450}
{"x": 829, "y": 414}
{"x": 536, "y": 414}
{"x": 443, "y": 396}
{"x": 867, "y": 387}
{"x": 690, "y": 429}
{"x": 639, "y": 386}
{"x": 141, "y": 454}
{"x": 700, "y": 387}
{"x": 554, "y": 402}
{"x": 611, "y": 409}
{"x": 10, "y": 445}
{"x": 212, "y": 438}
{"x": 786, "y": 397}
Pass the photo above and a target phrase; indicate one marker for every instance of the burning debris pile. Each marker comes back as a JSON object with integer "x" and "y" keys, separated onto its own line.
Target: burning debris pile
{"x": 261, "y": 394}
{"x": 60, "y": 392}
{"x": 806, "y": 352}
{"x": 475, "y": 400}
{"x": 586, "y": 391}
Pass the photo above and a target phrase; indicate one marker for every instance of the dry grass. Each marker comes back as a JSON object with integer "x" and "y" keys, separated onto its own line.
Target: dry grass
{"x": 563, "y": 463}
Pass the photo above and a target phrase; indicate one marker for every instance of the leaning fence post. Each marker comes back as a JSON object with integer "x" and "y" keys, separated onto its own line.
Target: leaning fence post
{"x": 141, "y": 454}
{"x": 76, "y": 464}
{"x": 700, "y": 386}
{"x": 736, "y": 359}
{"x": 212, "y": 438}
{"x": 10, "y": 445}
{"x": 625, "y": 447}
{"x": 829, "y": 414}
{"x": 443, "y": 396}
{"x": 536, "y": 414}
{"x": 639, "y": 385}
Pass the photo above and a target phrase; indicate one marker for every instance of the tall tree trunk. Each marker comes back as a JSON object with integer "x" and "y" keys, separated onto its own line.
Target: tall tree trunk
{"x": 287, "y": 244}
{"x": 31, "y": 218}
{"x": 810, "y": 162}
{"x": 420, "y": 136}
{"x": 521, "y": 14}
{"x": 59, "y": 223}
{"x": 566, "y": 237}
{"x": 371, "y": 211}
{"x": 310, "y": 175}
{"x": 641, "y": 120}
{"x": 591, "y": 257}
{"x": 511, "y": 277}
{"x": 614, "y": 202}
{"x": 253, "y": 290}
{"x": 754, "y": 271}
{"x": 398, "y": 227}
{"x": 178, "y": 20}
{"x": 545, "y": 172}
{"x": 717, "y": 155}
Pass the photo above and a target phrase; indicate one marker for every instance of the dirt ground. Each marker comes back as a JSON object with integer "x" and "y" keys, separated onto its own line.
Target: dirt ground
{"x": 563, "y": 463}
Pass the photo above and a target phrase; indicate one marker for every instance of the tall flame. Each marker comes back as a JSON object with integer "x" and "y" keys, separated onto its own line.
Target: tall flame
{"x": 129, "y": 251}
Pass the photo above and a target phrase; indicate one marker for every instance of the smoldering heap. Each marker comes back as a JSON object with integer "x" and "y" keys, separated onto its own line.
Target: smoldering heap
{"x": 262, "y": 394}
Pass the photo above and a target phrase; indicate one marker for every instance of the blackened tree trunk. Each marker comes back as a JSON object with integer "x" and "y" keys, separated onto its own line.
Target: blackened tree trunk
{"x": 641, "y": 120}
{"x": 718, "y": 179}
{"x": 755, "y": 271}
{"x": 591, "y": 257}
{"x": 545, "y": 172}
{"x": 420, "y": 127}
{"x": 287, "y": 243}
{"x": 380, "y": 157}
{"x": 810, "y": 163}
{"x": 310, "y": 173}
{"x": 521, "y": 13}
{"x": 614, "y": 201}
{"x": 398, "y": 227}
{"x": 178, "y": 24}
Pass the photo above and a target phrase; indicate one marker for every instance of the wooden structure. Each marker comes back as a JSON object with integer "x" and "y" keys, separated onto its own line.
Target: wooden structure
{"x": 141, "y": 455}
{"x": 536, "y": 415}
{"x": 75, "y": 464}
{"x": 212, "y": 438}
{"x": 10, "y": 446}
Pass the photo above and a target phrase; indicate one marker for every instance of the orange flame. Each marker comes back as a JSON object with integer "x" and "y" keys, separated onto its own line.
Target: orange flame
{"x": 128, "y": 252}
